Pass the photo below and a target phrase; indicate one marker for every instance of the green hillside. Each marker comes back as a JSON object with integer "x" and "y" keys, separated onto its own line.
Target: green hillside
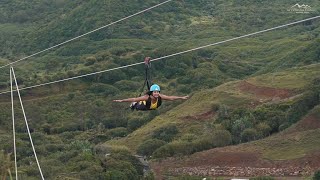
{"x": 240, "y": 91}
{"x": 232, "y": 96}
{"x": 280, "y": 156}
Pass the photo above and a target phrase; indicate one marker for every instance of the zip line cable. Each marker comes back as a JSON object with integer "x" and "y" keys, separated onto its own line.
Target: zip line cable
{"x": 171, "y": 55}
{"x": 26, "y": 121}
{"x": 122, "y": 19}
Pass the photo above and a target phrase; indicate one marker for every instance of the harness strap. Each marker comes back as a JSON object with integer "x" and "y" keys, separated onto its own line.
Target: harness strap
{"x": 147, "y": 70}
{"x": 147, "y": 80}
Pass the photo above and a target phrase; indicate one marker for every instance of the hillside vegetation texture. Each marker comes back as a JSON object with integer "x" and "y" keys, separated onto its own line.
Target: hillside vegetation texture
{"x": 255, "y": 94}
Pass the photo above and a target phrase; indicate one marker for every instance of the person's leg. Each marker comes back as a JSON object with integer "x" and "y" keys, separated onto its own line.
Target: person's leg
{"x": 139, "y": 106}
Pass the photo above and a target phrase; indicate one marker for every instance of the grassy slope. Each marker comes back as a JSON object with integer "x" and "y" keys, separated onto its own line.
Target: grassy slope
{"x": 285, "y": 145}
{"x": 292, "y": 144}
{"x": 201, "y": 102}
{"x": 291, "y": 79}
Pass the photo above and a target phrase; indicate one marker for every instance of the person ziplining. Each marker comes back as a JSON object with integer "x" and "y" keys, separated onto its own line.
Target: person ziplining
{"x": 152, "y": 98}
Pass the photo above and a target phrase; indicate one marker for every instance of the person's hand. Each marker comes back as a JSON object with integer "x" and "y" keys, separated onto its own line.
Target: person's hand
{"x": 117, "y": 100}
{"x": 185, "y": 97}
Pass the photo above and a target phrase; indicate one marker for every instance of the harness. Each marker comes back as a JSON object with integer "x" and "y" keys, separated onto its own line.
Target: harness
{"x": 145, "y": 105}
{"x": 147, "y": 80}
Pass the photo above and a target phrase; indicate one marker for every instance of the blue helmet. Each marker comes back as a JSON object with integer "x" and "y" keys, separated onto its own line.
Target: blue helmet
{"x": 155, "y": 87}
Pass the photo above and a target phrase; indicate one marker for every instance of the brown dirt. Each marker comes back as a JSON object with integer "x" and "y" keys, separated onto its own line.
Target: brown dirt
{"x": 203, "y": 116}
{"x": 267, "y": 92}
{"x": 236, "y": 161}
{"x": 219, "y": 162}
{"x": 308, "y": 123}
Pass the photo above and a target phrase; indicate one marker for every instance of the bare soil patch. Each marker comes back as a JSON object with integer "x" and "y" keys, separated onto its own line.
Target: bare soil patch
{"x": 219, "y": 162}
{"x": 202, "y": 116}
{"x": 310, "y": 122}
{"x": 264, "y": 91}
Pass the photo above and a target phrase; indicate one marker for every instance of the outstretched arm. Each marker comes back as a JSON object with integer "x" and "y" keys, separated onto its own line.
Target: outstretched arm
{"x": 142, "y": 98}
{"x": 172, "y": 98}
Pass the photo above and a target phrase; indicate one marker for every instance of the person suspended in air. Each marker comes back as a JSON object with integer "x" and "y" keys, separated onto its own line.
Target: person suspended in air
{"x": 151, "y": 100}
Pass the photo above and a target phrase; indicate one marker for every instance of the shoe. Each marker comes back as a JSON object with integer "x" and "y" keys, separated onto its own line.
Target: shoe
{"x": 133, "y": 105}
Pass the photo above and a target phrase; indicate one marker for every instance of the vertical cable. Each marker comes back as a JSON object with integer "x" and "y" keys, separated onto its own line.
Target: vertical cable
{"x": 13, "y": 127}
{"x": 25, "y": 118}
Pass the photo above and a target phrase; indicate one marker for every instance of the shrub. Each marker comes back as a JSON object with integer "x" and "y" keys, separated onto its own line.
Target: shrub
{"x": 126, "y": 85}
{"x": 248, "y": 134}
{"x": 90, "y": 61}
{"x": 221, "y": 138}
{"x": 3, "y": 85}
{"x": 164, "y": 151}
{"x": 118, "y": 132}
{"x": 218, "y": 138}
{"x": 284, "y": 126}
{"x": 149, "y": 146}
{"x": 239, "y": 126}
{"x": 126, "y": 168}
{"x": 263, "y": 129}
{"x": 316, "y": 175}
{"x": 166, "y": 133}
{"x": 188, "y": 137}
{"x": 110, "y": 78}
{"x": 135, "y": 123}
{"x": 105, "y": 89}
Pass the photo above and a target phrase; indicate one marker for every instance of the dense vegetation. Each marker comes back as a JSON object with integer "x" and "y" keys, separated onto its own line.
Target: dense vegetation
{"x": 69, "y": 121}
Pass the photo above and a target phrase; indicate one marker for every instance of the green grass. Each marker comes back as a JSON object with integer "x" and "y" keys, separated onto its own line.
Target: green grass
{"x": 291, "y": 146}
{"x": 289, "y": 79}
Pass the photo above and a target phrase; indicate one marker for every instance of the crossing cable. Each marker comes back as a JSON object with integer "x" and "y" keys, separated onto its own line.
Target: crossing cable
{"x": 171, "y": 55}
{"x": 26, "y": 121}
{"x": 135, "y": 14}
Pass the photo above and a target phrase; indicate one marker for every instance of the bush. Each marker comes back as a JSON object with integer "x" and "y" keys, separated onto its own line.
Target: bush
{"x": 221, "y": 138}
{"x": 149, "y": 146}
{"x": 124, "y": 169}
{"x": 114, "y": 174}
{"x": 284, "y": 126}
{"x": 110, "y": 78}
{"x": 3, "y": 85}
{"x": 135, "y": 123}
{"x": 126, "y": 85}
{"x": 248, "y": 134}
{"x": 166, "y": 133}
{"x": 239, "y": 126}
{"x": 316, "y": 175}
{"x": 118, "y": 132}
{"x": 105, "y": 89}
{"x": 218, "y": 138}
{"x": 90, "y": 61}
{"x": 263, "y": 129}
